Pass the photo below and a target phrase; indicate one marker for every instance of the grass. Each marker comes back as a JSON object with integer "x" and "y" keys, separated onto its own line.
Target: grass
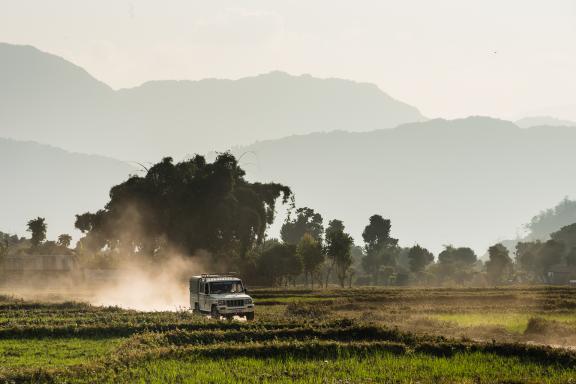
{"x": 356, "y": 368}
{"x": 511, "y": 321}
{"x": 53, "y": 352}
{"x": 332, "y": 336}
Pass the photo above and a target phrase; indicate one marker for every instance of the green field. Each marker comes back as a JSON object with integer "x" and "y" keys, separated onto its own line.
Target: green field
{"x": 516, "y": 322}
{"x": 329, "y": 336}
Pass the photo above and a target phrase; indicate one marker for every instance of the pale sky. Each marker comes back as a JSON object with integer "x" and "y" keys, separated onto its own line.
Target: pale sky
{"x": 449, "y": 58}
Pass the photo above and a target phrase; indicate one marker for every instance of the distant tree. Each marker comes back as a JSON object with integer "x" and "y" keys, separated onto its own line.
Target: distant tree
{"x": 419, "y": 258}
{"x": 291, "y": 264}
{"x": 462, "y": 255}
{"x": 38, "y": 229}
{"x": 310, "y": 252}
{"x": 306, "y": 221}
{"x": 4, "y": 247}
{"x": 334, "y": 227}
{"x": 379, "y": 246}
{"x": 571, "y": 258}
{"x": 527, "y": 254}
{"x": 351, "y": 274}
{"x": 549, "y": 254}
{"x": 278, "y": 264}
{"x": 338, "y": 250}
{"x": 550, "y": 220}
{"x": 566, "y": 235}
{"x": 64, "y": 240}
{"x": 456, "y": 264}
{"x": 499, "y": 264}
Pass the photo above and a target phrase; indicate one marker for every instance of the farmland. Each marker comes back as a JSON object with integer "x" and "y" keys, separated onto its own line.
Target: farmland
{"x": 521, "y": 334}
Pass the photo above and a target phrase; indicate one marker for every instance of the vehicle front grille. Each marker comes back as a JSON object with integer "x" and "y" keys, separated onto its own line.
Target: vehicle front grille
{"x": 234, "y": 303}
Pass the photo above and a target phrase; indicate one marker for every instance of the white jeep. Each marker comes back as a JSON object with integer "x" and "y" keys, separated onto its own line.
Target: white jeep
{"x": 220, "y": 295}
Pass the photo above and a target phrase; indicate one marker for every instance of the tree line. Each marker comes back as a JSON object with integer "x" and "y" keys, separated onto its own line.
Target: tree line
{"x": 195, "y": 206}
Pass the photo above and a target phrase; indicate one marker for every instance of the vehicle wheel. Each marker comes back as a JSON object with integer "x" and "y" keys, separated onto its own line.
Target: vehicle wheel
{"x": 196, "y": 310}
{"x": 214, "y": 313}
{"x": 250, "y": 316}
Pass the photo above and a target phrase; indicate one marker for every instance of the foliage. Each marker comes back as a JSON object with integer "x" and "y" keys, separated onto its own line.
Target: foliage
{"x": 455, "y": 264}
{"x": 64, "y": 240}
{"x": 380, "y": 248}
{"x": 566, "y": 235}
{"x": 499, "y": 264}
{"x": 38, "y": 229}
{"x": 191, "y": 205}
{"x": 278, "y": 264}
{"x": 544, "y": 224}
{"x": 419, "y": 258}
{"x": 310, "y": 252}
{"x": 306, "y": 222}
{"x": 461, "y": 255}
{"x": 537, "y": 257}
{"x": 338, "y": 249}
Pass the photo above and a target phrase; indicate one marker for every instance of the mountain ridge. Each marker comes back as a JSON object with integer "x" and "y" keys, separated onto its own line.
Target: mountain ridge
{"x": 43, "y": 180}
{"x": 481, "y": 179}
{"x": 81, "y": 113}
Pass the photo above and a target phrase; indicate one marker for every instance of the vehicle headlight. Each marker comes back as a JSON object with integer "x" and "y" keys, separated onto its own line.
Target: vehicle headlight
{"x": 248, "y": 301}
{"x": 221, "y": 302}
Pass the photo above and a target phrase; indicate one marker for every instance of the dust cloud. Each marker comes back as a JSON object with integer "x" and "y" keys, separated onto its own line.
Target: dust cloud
{"x": 147, "y": 286}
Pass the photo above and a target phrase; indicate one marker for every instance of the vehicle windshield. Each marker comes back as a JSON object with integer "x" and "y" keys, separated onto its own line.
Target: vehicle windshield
{"x": 226, "y": 287}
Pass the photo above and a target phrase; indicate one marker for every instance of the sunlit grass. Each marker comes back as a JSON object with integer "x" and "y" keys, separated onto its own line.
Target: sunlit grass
{"x": 53, "y": 352}
{"x": 377, "y": 367}
{"x": 511, "y": 321}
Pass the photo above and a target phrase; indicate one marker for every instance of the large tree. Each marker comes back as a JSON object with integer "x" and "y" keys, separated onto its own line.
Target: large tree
{"x": 380, "y": 248}
{"x": 189, "y": 206}
{"x": 338, "y": 250}
{"x": 305, "y": 221}
{"x": 38, "y": 228}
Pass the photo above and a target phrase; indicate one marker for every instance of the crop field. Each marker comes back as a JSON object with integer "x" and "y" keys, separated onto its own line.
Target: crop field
{"x": 512, "y": 335}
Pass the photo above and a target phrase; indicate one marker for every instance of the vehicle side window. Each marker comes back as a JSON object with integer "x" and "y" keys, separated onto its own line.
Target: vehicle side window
{"x": 201, "y": 287}
{"x": 206, "y": 289}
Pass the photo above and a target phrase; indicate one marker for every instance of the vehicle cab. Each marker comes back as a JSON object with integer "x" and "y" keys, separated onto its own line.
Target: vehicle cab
{"x": 220, "y": 295}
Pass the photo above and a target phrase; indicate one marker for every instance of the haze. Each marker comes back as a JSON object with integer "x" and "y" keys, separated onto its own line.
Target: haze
{"x": 450, "y": 58}
{"x": 351, "y": 92}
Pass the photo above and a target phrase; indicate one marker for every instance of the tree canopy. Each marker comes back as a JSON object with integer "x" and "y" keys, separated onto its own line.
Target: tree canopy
{"x": 419, "y": 258}
{"x": 338, "y": 249}
{"x": 306, "y": 221}
{"x": 379, "y": 246}
{"x": 189, "y": 206}
{"x": 499, "y": 263}
{"x": 38, "y": 228}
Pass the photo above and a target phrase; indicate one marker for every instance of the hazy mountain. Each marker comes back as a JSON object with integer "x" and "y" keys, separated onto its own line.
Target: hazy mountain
{"x": 47, "y": 99}
{"x": 545, "y": 223}
{"x": 40, "y": 180}
{"x": 538, "y": 121}
{"x": 467, "y": 182}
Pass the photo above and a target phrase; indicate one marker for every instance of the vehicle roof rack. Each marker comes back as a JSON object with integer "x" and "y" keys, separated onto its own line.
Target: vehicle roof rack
{"x": 226, "y": 274}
